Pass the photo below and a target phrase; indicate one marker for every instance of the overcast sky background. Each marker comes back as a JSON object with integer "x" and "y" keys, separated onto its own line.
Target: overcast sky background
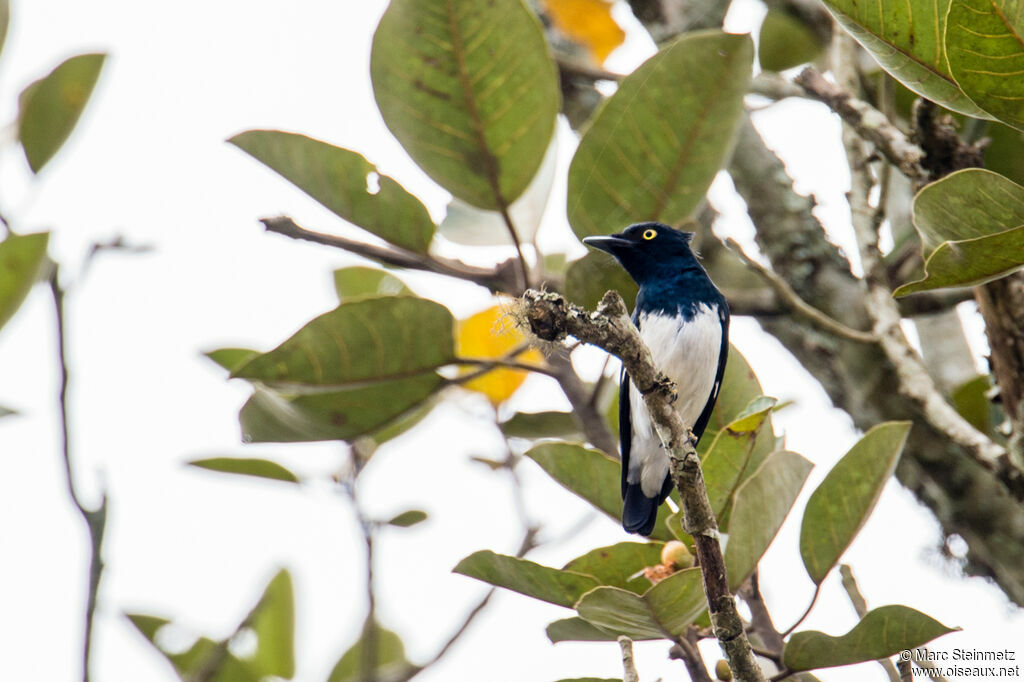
{"x": 148, "y": 162}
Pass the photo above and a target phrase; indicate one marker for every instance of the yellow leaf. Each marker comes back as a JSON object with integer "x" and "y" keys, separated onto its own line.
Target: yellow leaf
{"x": 485, "y": 336}
{"x": 589, "y": 23}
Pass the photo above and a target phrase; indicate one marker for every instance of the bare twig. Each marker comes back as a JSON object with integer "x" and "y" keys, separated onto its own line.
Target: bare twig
{"x": 552, "y": 318}
{"x": 807, "y": 612}
{"x": 906, "y": 671}
{"x": 629, "y": 673}
{"x": 791, "y": 299}
{"x": 861, "y": 607}
{"x": 870, "y": 123}
{"x": 685, "y": 649}
{"x": 95, "y": 519}
{"x": 501, "y": 278}
{"x": 591, "y": 420}
{"x": 914, "y": 380}
{"x": 774, "y": 86}
{"x": 761, "y": 621}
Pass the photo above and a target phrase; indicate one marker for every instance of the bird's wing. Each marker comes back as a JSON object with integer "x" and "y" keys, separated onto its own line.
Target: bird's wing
{"x": 625, "y": 426}
{"x": 723, "y": 356}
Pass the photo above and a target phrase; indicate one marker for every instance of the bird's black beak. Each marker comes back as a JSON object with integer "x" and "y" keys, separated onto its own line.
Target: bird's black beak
{"x": 613, "y": 243}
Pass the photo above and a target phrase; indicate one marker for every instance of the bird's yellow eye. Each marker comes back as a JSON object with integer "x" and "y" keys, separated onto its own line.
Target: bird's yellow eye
{"x": 650, "y": 234}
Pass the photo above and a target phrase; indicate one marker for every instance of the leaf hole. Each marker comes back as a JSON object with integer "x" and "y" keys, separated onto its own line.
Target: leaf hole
{"x": 373, "y": 182}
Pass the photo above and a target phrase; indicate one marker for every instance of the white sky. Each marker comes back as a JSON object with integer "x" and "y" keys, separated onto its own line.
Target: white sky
{"x": 148, "y": 162}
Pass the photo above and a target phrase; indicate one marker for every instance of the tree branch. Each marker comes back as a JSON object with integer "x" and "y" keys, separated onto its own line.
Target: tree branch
{"x": 870, "y": 123}
{"x": 95, "y": 519}
{"x": 552, "y": 318}
{"x": 501, "y": 278}
{"x": 791, "y": 299}
{"x": 629, "y": 673}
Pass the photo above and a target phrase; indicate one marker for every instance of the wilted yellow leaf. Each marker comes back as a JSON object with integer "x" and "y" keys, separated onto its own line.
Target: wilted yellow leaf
{"x": 485, "y": 336}
{"x": 589, "y": 23}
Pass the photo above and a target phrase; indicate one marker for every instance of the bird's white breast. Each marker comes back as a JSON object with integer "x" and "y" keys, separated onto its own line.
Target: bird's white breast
{"x": 687, "y": 352}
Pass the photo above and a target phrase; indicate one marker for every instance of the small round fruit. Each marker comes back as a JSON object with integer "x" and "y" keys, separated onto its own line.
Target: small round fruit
{"x": 722, "y": 671}
{"x": 677, "y": 555}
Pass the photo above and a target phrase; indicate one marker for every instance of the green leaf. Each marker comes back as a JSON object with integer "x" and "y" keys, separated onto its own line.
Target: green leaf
{"x": 269, "y": 417}
{"x": 592, "y": 475}
{"x": 5, "y": 20}
{"x": 740, "y": 388}
{"x": 389, "y": 660}
{"x": 50, "y": 107}
{"x": 654, "y": 147}
{"x": 971, "y": 224}
{"x": 370, "y": 340}
{"x": 1005, "y": 154}
{"x": 588, "y": 278}
{"x": 907, "y": 40}
{"x": 842, "y": 502}
{"x": 618, "y": 565}
{"x": 260, "y": 468}
{"x": 563, "y": 588}
{"x": 231, "y": 358}
{"x": 195, "y": 659}
{"x": 785, "y": 41}
{"x": 361, "y": 282}
{"x": 971, "y": 400}
{"x": 985, "y": 49}
{"x": 662, "y": 612}
{"x": 21, "y": 257}
{"x": 762, "y": 503}
{"x": 470, "y": 91}
{"x": 408, "y": 518}
{"x": 881, "y": 633}
{"x": 728, "y": 457}
{"x": 7, "y": 412}
{"x": 577, "y": 630}
{"x": 345, "y": 183}
{"x": 273, "y": 623}
{"x": 541, "y": 425}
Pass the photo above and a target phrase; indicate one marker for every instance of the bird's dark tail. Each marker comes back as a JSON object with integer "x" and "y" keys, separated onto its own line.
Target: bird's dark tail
{"x": 640, "y": 512}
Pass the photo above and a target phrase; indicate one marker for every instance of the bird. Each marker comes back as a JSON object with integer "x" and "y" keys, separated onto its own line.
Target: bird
{"x": 684, "y": 320}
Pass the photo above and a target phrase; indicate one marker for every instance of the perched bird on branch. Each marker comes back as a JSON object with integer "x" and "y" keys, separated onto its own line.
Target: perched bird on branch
{"x": 684, "y": 320}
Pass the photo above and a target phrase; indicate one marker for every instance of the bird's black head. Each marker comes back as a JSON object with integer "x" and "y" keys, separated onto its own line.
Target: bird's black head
{"x": 647, "y": 249}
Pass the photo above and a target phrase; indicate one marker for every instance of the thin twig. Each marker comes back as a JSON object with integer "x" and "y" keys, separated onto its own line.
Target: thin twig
{"x": 685, "y": 649}
{"x": 861, "y": 607}
{"x": 501, "y": 278}
{"x": 869, "y": 123}
{"x": 774, "y": 86}
{"x": 95, "y": 519}
{"x": 629, "y": 673}
{"x": 807, "y": 612}
{"x": 552, "y": 318}
{"x": 591, "y": 421}
{"x": 790, "y": 298}
{"x": 488, "y": 364}
{"x": 761, "y": 621}
{"x": 915, "y": 382}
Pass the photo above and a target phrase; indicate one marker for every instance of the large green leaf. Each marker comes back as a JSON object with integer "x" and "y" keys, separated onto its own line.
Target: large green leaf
{"x": 592, "y": 475}
{"x": 344, "y": 182}
{"x": 881, "y": 633}
{"x": 840, "y": 505}
{"x": 388, "y": 657}
{"x": 728, "y": 457}
{"x": 470, "y": 91}
{"x": 273, "y": 623}
{"x": 971, "y": 224}
{"x": 740, "y": 388}
{"x": 247, "y": 466}
{"x": 576, "y": 629}
{"x": 231, "y": 358}
{"x": 663, "y": 611}
{"x": 985, "y": 49}
{"x": 762, "y": 503}
{"x": 51, "y": 106}
{"x": 907, "y": 40}
{"x": 563, "y": 588}
{"x": 21, "y": 257}
{"x": 654, "y": 147}
{"x": 270, "y": 417}
{"x": 368, "y": 340}
{"x": 785, "y": 41}
{"x": 618, "y": 565}
{"x": 541, "y": 425}
{"x": 361, "y": 282}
